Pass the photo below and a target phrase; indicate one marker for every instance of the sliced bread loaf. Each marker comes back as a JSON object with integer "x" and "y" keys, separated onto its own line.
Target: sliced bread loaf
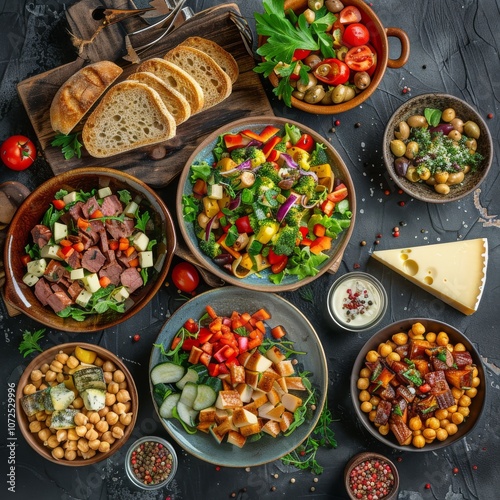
{"x": 175, "y": 102}
{"x": 178, "y": 79}
{"x": 221, "y": 56}
{"x": 130, "y": 115}
{"x": 79, "y": 93}
{"x": 214, "y": 81}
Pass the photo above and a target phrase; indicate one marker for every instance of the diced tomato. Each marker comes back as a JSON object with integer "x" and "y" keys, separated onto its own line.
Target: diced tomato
{"x": 65, "y": 252}
{"x": 274, "y": 258}
{"x": 216, "y": 325}
{"x": 25, "y": 259}
{"x": 191, "y": 325}
{"x": 252, "y": 343}
{"x": 213, "y": 369}
{"x": 360, "y": 58}
{"x": 231, "y": 361}
{"x": 319, "y": 230}
{"x": 96, "y": 214}
{"x": 245, "y": 317}
{"x": 350, "y": 14}
{"x": 134, "y": 262}
{"x": 306, "y": 142}
{"x": 280, "y": 266}
{"x": 278, "y": 332}
{"x": 58, "y": 204}
{"x": 223, "y": 369}
{"x": 338, "y": 194}
{"x": 200, "y": 187}
{"x": 243, "y": 225}
{"x": 113, "y": 244}
{"x": 204, "y": 335}
{"x": 224, "y": 353}
{"x": 188, "y": 344}
{"x": 261, "y": 315}
{"x": 300, "y": 54}
{"x": 104, "y": 281}
{"x": 65, "y": 243}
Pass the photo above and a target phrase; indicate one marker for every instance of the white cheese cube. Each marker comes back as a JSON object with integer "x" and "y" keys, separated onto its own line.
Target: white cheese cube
{"x": 70, "y": 197}
{"x": 83, "y": 298}
{"x": 131, "y": 209}
{"x": 103, "y": 192}
{"x": 94, "y": 399}
{"x": 50, "y": 252}
{"x": 30, "y": 279}
{"x": 216, "y": 192}
{"x": 37, "y": 267}
{"x": 77, "y": 274}
{"x": 60, "y": 231}
{"x": 146, "y": 259}
{"x": 120, "y": 294}
{"x": 91, "y": 283}
{"x": 140, "y": 241}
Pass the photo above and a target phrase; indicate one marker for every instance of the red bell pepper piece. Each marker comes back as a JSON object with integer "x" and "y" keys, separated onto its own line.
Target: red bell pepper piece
{"x": 252, "y": 135}
{"x": 243, "y": 224}
{"x": 328, "y": 206}
{"x": 188, "y": 344}
{"x": 269, "y": 145}
{"x": 58, "y": 204}
{"x": 204, "y": 335}
{"x": 213, "y": 369}
{"x": 234, "y": 141}
{"x": 304, "y": 231}
{"x": 268, "y": 132}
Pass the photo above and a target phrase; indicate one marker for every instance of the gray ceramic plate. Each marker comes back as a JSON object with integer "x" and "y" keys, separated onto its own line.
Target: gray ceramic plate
{"x": 260, "y": 282}
{"x": 299, "y": 330}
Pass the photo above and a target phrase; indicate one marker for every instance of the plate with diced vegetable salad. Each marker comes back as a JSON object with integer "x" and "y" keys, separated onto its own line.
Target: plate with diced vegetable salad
{"x": 238, "y": 378}
{"x": 266, "y": 204}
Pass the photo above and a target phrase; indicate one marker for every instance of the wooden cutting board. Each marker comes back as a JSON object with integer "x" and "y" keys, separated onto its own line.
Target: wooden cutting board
{"x": 156, "y": 165}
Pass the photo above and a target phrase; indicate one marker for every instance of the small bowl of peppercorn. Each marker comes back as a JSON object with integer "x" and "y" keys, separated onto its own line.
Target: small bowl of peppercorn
{"x": 151, "y": 463}
{"x": 371, "y": 475}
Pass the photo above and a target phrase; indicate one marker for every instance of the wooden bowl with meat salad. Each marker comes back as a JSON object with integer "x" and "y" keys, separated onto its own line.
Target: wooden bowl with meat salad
{"x": 76, "y": 404}
{"x": 87, "y": 250}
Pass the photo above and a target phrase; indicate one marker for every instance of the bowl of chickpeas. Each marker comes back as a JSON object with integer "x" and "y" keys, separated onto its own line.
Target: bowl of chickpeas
{"x": 76, "y": 404}
{"x": 418, "y": 385}
{"x": 437, "y": 148}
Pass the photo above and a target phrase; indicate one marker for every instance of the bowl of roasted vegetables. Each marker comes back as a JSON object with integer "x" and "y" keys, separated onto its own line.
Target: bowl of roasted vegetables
{"x": 238, "y": 377}
{"x": 87, "y": 250}
{"x": 76, "y": 404}
{"x": 437, "y": 148}
{"x": 325, "y": 57}
{"x": 418, "y": 385}
{"x": 266, "y": 204}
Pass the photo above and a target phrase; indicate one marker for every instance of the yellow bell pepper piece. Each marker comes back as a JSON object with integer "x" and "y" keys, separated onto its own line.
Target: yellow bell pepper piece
{"x": 210, "y": 207}
{"x": 323, "y": 170}
{"x": 85, "y": 355}
{"x": 267, "y": 232}
{"x": 226, "y": 164}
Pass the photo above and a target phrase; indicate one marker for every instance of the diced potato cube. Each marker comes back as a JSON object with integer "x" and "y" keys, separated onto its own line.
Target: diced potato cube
{"x": 91, "y": 283}
{"x": 216, "y": 192}
{"x": 210, "y": 207}
{"x": 236, "y": 439}
{"x": 140, "y": 241}
{"x": 30, "y": 279}
{"x": 77, "y": 274}
{"x": 291, "y": 402}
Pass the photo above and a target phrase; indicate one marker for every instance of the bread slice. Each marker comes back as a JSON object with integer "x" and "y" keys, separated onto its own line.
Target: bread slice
{"x": 176, "y": 78}
{"x": 79, "y": 93}
{"x": 175, "y": 102}
{"x": 221, "y": 56}
{"x": 130, "y": 115}
{"x": 214, "y": 81}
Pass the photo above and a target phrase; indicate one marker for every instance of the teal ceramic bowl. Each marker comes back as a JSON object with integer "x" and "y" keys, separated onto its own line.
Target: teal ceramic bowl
{"x": 260, "y": 281}
{"x": 267, "y": 449}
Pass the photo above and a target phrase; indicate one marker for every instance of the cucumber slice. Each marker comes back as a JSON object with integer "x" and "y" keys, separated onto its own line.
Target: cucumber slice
{"x": 160, "y": 392}
{"x": 215, "y": 383}
{"x": 166, "y": 373}
{"x": 189, "y": 393}
{"x": 187, "y": 414}
{"x": 200, "y": 369}
{"x": 169, "y": 403}
{"x": 205, "y": 397}
{"x": 190, "y": 376}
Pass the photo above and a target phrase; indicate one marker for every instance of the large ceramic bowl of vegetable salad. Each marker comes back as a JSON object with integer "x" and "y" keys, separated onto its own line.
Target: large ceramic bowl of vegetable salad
{"x": 238, "y": 378}
{"x": 267, "y": 204}
{"x": 87, "y": 250}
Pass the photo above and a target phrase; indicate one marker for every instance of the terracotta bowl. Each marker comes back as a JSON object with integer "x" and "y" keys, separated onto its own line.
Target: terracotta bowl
{"x": 420, "y": 190}
{"x": 455, "y": 336}
{"x": 47, "y": 357}
{"x": 378, "y": 39}
{"x": 260, "y": 281}
{"x": 30, "y": 213}
{"x": 371, "y": 458}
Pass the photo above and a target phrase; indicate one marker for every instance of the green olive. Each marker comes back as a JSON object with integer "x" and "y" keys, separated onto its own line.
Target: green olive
{"x": 298, "y": 95}
{"x": 314, "y": 94}
{"x": 455, "y": 178}
{"x": 350, "y": 93}
{"x": 411, "y": 150}
{"x": 466, "y": 169}
{"x": 315, "y": 4}
{"x": 442, "y": 188}
{"x": 327, "y": 99}
{"x": 334, "y": 5}
{"x": 341, "y": 52}
{"x": 471, "y": 129}
{"x": 310, "y": 15}
{"x": 412, "y": 174}
{"x": 404, "y": 131}
{"x": 471, "y": 144}
{"x": 398, "y": 147}
{"x": 448, "y": 115}
{"x": 362, "y": 80}
{"x": 417, "y": 121}
{"x": 322, "y": 69}
{"x": 455, "y": 135}
{"x": 311, "y": 81}
{"x": 338, "y": 94}
{"x": 441, "y": 177}
{"x": 458, "y": 124}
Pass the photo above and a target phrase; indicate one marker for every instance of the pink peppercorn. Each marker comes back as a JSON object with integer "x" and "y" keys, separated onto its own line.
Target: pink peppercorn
{"x": 371, "y": 479}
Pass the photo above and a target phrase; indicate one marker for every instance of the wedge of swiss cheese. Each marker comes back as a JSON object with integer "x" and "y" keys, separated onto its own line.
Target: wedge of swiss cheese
{"x": 454, "y": 272}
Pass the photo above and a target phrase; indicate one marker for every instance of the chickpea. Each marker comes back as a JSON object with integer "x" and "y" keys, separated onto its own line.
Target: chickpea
{"x": 393, "y": 356}
{"x": 366, "y": 407}
{"x": 110, "y": 399}
{"x": 44, "y": 434}
{"x": 464, "y": 410}
{"x": 72, "y": 435}
{"x": 429, "y": 433}
{"x": 81, "y": 430}
{"x": 457, "y": 418}
{"x": 113, "y": 387}
{"x": 460, "y": 347}
{"x": 83, "y": 445}
{"x": 91, "y": 435}
{"x": 400, "y": 338}
{"x": 62, "y": 357}
{"x": 94, "y": 417}
{"x": 98, "y": 361}
{"x": 374, "y": 400}
{"x": 431, "y": 337}
{"x": 41, "y": 416}
{"x": 452, "y": 409}
{"x": 108, "y": 366}
{"x": 62, "y": 435}
{"x": 372, "y": 356}
{"x": 101, "y": 426}
{"x": 455, "y": 135}
{"x": 384, "y": 429}
{"x": 52, "y": 441}
{"x": 363, "y": 383}
{"x": 441, "y": 434}
{"x": 70, "y": 455}
{"x": 448, "y": 115}
{"x": 471, "y": 393}
{"x": 415, "y": 423}
{"x": 56, "y": 366}
{"x": 364, "y": 396}
{"x": 398, "y": 147}
{"x": 36, "y": 375}
{"x": 88, "y": 454}
{"x": 372, "y": 415}
{"x": 108, "y": 377}
{"x": 94, "y": 444}
{"x": 443, "y": 423}
{"x": 365, "y": 372}
{"x": 29, "y": 389}
{"x": 404, "y": 131}
{"x": 442, "y": 339}
{"x": 432, "y": 423}
{"x": 475, "y": 371}
{"x": 58, "y": 453}
{"x": 411, "y": 150}
{"x": 60, "y": 378}
{"x": 384, "y": 349}
{"x": 126, "y": 419}
{"x": 457, "y": 393}
{"x": 476, "y": 382}
{"x": 117, "y": 432}
{"x": 111, "y": 418}
{"x": 78, "y": 403}
{"x": 465, "y": 401}
{"x": 104, "y": 411}
{"x": 119, "y": 408}
{"x": 123, "y": 396}
{"x": 451, "y": 429}
{"x": 107, "y": 437}
{"x": 122, "y": 385}
{"x": 50, "y": 376}
{"x": 441, "y": 414}
{"x": 418, "y": 441}
{"x": 80, "y": 419}
{"x": 104, "y": 447}
{"x": 44, "y": 368}
{"x": 72, "y": 362}
{"x": 36, "y": 426}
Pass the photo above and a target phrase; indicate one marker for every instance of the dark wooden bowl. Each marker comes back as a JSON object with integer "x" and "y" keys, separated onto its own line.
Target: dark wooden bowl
{"x": 420, "y": 190}
{"x": 46, "y": 357}
{"x": 30, "y": 213}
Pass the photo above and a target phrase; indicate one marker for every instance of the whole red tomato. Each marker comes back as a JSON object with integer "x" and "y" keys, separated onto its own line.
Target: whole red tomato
{"x": 18, "y": 152}
{"x": 185, "y": 277}
{"x": 356, "y": 34}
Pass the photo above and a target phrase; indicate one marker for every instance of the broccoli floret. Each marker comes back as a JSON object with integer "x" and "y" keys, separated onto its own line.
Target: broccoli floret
{"x": 306, "y": 185}
{"x": 285, "y": 239}
{"x": 294, "y": 216}
{"x": 281, "y": 146}
{"x": 257, "y": 157}
{"x": 252, "y": 153}
{"x": 263, "y": 184}
{"x": 268, "y": 170}
{"x": 210, "y": 248}
{"x": 319, "y": 156}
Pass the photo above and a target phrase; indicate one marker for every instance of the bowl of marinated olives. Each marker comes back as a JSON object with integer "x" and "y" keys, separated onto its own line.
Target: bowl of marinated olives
{"x": 437, "y": 148}
{"x": 329, "y": 79}
{"x": 418, "y": 385}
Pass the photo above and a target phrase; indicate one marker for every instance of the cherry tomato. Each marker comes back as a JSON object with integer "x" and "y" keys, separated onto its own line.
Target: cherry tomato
{"x": 185, "y": 277}
{"x": 306, "y": 142}
{"x": 274, "y": 258}
{"x": 356, "y": 34}
{"x": 278, "y": 267}
{"x": 332, "y": 71}
{"x": 300, "y": 54}
{"x": 350, "y": 14}
{"x": 18, "y": 152}
{"x": 360, "y": 58}
{"x": 374, "y": 66}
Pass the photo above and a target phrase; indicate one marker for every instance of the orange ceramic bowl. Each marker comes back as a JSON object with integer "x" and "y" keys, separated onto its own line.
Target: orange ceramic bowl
{"x": 378, "y": 39}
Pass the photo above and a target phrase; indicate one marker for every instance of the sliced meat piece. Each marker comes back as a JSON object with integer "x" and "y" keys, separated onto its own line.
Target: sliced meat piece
{"x": 124, "y": 259}
{"x": 113, "y": 271}
{"x": 41, "y": 235}
{"x": 74, "y": 260}
{"x": 97, "y": 225}
{"x": 89, "y": 207}
{"x": 74, "y": 290}
{"x": 58, "y": 301}
{"x": 111, "y": 256}
{"x": 131, "y": 279}
{"x": 76, "y": 211}
{"x": 86, "y": 239}
{"x": 103, "y": 241}
{"x": 43, "y": 291}
{"x": 111, "y": 205}
{"x": 93, "y": 259}
{"x": 55, "y": 271}
{"x": 384, "y": 409}
{"x": 118, "y": 229}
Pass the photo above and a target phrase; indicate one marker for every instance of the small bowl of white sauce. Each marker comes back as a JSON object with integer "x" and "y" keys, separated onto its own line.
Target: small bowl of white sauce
{"x": 356, "y": 302}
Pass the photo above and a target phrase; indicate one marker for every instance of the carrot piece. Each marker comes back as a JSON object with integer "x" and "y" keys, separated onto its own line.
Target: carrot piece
{"x": 123, "y": 244}
{"x": 175, "y": 342}
{"x": 104, "y": 281}
{"x": 113, "y": 244}
{"x": 245, "y": 317}
{"x": 211, "y": 312}
{"x": 319, "y": 230}
{"x": 82, "y": 224}
{"x": 254, "y": 343}
{"x": 216, "y": 337}
{"x": 65, "y": 243}
{"x": 253, "y": 334}
{"x": 200, "y": 187}
{"x": 260, "y": 326}
{"x": 25, "y": 259}
{"x": 96, "y": 214}
{"x": 261, "y": 315}
{"x": 129, "y": 251}
{"x": 134, "y": 262}
{"x": 278, "y": 332}
{"x": 79, "y": 247}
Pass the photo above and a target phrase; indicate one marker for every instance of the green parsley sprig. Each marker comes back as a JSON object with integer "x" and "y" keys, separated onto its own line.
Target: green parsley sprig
{"x": 69, "y": 144}
{"x": 29, "y": 343}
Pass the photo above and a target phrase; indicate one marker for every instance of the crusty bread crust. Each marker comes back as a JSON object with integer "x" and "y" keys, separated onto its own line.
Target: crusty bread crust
{"x": 79, "y": 93}
{"x": 221, "y": 56}
{"x": 130, "y": 115}
{"x": 178, "y": 79}
{"x": 175, "y": 102}
{"x": 214, "y": 81}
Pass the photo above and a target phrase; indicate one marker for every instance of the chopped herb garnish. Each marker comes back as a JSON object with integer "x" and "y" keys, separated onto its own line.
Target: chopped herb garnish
{"x": 29, "y": 343}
